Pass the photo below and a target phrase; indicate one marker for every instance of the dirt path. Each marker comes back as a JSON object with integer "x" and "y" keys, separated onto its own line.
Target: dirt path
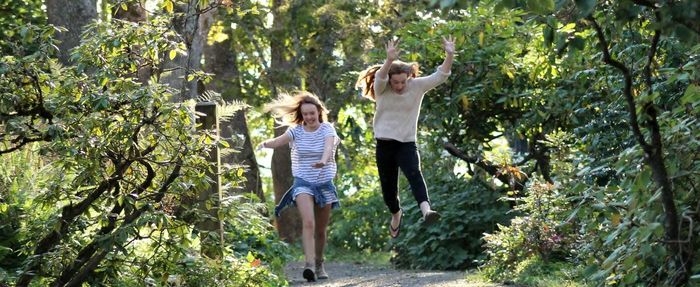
{"x": 349, "y": 274}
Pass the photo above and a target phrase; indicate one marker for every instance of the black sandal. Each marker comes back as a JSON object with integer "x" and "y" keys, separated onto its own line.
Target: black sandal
{"x": 309, "y": 275}
{"x": 397, "y": 229}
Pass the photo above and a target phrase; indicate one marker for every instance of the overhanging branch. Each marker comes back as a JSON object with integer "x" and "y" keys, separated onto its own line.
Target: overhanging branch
{"x": 627, "y": 91}
{"x": 491, "y": 169}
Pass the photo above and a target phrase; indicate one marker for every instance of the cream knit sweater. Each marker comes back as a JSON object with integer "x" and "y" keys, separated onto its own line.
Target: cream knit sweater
{"x": 396, "y": 115}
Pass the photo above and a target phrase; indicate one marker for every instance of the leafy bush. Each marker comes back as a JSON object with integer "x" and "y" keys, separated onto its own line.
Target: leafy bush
{"x": 124, "y": 161}
{"x": 361, "y": 224}
{"x": 468, "y": 209}
{"x": 539, "y": 233}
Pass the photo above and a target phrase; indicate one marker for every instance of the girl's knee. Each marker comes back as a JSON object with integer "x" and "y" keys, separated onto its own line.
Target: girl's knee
{"x": 308, "y": 224}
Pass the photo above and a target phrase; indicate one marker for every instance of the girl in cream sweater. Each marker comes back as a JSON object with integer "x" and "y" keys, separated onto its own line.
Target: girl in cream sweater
{"x": 398, "y": 93}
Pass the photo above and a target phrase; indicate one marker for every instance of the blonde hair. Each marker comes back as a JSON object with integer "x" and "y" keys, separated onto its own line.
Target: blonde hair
{"x": 287, "y": 107}
{"x": 366, "y": 78}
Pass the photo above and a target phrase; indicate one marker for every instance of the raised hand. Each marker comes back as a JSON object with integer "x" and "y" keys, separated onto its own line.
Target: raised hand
{"x": 449, "y": 44}
{"x": 392, "y": 50}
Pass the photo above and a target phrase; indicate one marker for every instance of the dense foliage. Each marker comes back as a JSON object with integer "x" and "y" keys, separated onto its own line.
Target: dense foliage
{"x": 100, "y": 171}
{"x": 566, "y": 137}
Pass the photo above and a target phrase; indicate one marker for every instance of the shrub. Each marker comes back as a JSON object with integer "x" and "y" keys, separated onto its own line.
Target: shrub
{"x": 539, "y": 233}
{"x": 361, "y": 224}
{"x": 468, "y": 209}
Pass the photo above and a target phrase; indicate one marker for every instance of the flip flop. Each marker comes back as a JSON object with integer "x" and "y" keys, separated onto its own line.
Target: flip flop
{"x": 396, "y": 230}
{"x": 430, "y": 218}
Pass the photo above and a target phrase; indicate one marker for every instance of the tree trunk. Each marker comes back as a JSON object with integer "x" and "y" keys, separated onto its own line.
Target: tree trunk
{"x": 289, "y": 224}
{"x": 135, "y": 13}
{"x": 194, "y": 62}
{"x": 193, "y": 28}
{"x": 320, "y": 73}
{"x": 220, "y": 60}
{"x": 73, "y": 15}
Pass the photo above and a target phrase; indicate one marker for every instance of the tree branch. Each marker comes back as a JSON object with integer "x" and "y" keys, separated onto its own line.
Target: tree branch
{"x": 68, "y": 215}
{"x": 486, "y": 166}
{"x": 631, "y": 105}
{"x": 94, "y": 262}
{"x": 89, "y": 250}
{"x": 650, "y": 59}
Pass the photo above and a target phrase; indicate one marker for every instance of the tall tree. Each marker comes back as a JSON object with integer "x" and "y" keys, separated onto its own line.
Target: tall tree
{"x": 281, "y": 74}
{"x": 221, "y": 61}
{"x": 192, "y": 21}
{"x": 72, "y": 15}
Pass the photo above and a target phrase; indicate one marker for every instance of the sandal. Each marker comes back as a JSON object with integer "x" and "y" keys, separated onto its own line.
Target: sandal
{"x": 394, "y": 232}
{"x": 309, "y": 275}
{"x": 430, "y": 217}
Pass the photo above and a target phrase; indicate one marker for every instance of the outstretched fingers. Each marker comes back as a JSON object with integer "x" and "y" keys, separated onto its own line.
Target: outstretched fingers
{"x": 449, "y": 44}
{"x": 392, "y": 49}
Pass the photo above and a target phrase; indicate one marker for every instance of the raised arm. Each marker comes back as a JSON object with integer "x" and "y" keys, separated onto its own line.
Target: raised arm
{"x": 327, "y": 152}
{"x": 449, "y": 45}
{"x": 392, "y": 54}
{"x": 427, "y": 83}
{"x": 276, "y": 142}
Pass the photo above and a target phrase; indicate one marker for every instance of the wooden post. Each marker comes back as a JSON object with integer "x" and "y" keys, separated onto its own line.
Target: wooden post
{"x": 210, "y": 247}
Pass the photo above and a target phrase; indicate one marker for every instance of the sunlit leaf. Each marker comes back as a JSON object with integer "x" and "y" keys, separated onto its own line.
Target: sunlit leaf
{"x": 169, "y": 6}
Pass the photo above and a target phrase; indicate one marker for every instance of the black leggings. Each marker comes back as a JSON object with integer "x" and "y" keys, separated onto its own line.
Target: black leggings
{"x": 392, "y": 155}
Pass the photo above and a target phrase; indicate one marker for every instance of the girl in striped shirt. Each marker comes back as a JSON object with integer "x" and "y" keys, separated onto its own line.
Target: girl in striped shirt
{"x": 313, "y": 141}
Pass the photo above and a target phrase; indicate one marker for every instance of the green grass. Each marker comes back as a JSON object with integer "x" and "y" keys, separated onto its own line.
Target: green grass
{"x": 535, "y": 272}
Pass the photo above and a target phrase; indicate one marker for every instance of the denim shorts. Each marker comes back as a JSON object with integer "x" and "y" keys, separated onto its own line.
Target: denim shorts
{"x": 327, "y": 194}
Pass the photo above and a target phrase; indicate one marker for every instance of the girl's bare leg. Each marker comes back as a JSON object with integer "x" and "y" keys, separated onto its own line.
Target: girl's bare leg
{"x": 322, "y": 216}
{"x": 305, "y": 204}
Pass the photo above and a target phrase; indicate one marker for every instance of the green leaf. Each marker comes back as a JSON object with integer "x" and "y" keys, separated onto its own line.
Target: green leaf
{"x": 548, "y": 34}
{"x": 585, "y": 7}
{"x": 250, "y": 257}
{"x": 577, "y": 43}
{"x": 172, "y": 54}
{"x": 504, "y": 4}
{"x": 691, "y": 95}
{"x": 541, "y": 6}
{"x": 444, "y": 4}
{"x": 125, "y": 7}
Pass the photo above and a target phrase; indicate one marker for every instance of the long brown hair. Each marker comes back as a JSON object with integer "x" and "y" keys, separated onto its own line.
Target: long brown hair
{"x": 287, "y": 107}
{"x": 366, "y": 78}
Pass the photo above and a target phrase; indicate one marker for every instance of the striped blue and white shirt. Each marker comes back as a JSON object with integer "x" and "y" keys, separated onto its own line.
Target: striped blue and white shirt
{"x": 307, "y": 149}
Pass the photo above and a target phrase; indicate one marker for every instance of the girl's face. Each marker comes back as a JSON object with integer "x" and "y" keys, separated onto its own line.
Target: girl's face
{"x": 310, "y": 114}
{"x": 398, "y": 82}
